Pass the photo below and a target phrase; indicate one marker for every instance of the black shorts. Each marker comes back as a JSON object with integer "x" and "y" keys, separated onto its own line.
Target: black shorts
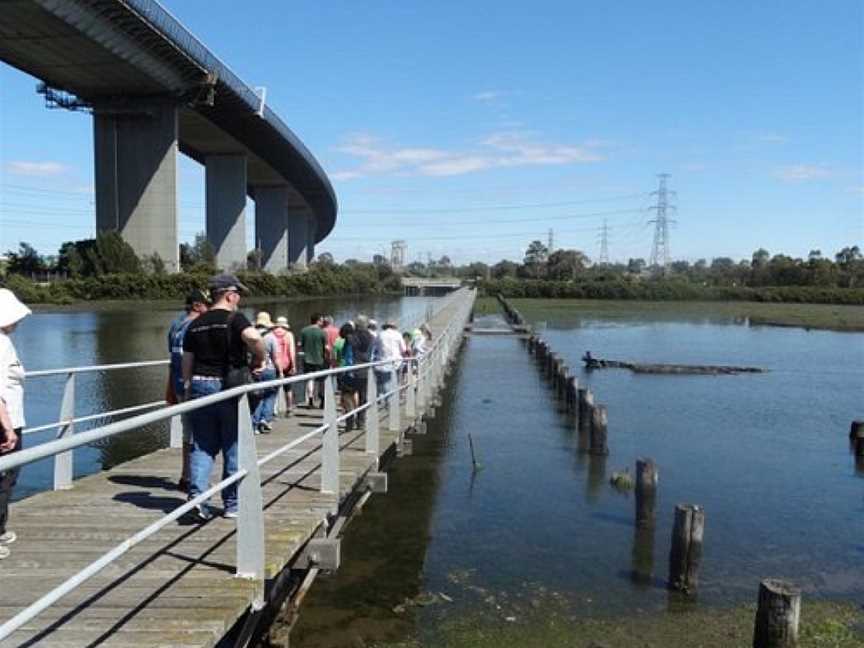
{"x": 312, "y": 368}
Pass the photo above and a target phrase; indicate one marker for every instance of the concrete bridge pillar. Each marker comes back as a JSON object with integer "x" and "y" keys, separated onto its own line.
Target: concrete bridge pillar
{"x": 225, "y": 178}
{"x": 135, "y": 157}
{"x": 311, "y": 226}
{"x": 298, "y": 237}
{"x": 271, "y": 227}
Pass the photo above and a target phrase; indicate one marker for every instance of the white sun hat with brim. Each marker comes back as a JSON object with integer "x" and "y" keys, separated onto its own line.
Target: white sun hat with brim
{"x": 11, "y": 309}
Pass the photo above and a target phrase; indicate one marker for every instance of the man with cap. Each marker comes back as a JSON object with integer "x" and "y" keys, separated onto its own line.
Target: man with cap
{"x": 215, "y": 350}
{"x": 12, "y": 312}
{"x": 197, "y": 303}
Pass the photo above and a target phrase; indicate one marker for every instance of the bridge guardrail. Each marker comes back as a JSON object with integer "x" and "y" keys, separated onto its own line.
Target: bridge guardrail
{"x": 63, "y": 463}
{"x": 423, "y": 382}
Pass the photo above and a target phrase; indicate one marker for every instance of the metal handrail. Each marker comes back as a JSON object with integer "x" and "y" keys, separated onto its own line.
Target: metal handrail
{"x": 250, "y": 523}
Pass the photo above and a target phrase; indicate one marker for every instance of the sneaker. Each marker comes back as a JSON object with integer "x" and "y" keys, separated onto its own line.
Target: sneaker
{"x": 201, "y": 513}
{"x": 4, "y": 552}
{"x": 8, "y": 538}
{"x": 265, "y": 426}
{"x": 231, "y": 515}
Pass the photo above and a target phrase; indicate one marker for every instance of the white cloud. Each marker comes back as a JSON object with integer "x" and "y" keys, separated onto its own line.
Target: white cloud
{"x": 772, "y": 138}
{"x": 803, "y": 172}
{"x": 505, "y": 149}
{"x": 488, "y": 96}
{"x": 37, "y": 169}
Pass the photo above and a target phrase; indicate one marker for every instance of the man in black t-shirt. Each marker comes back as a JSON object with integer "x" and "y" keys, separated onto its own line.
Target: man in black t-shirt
{"x": 215, "y": 352}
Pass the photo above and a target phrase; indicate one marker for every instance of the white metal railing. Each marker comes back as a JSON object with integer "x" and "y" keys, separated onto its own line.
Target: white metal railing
{"x": 63, "y": 462}
{"x": 425, "y": 379}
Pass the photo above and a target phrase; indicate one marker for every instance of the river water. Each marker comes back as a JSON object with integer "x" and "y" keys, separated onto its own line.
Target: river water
{"x": 119, "y": 333}
{"x": 539, "y": 526}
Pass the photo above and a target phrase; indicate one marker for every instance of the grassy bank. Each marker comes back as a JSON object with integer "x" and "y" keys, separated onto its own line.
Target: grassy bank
{"x": 670, "y": 289}
{"x": 823, "y": 625}
{"x": 326, "y": 280}
{"x": 816, "y": 316}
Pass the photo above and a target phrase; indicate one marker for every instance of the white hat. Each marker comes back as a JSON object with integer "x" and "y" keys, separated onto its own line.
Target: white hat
{"x": 11, "y": 310}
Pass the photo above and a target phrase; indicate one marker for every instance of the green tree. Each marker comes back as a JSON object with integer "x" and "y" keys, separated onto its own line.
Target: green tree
{"x": 25, "y": 261}
{"x": 565, "y": 264}
{"x": 535, "y": 258}
{"x": 636, "y": 266}
{"x": 505, "y": 268}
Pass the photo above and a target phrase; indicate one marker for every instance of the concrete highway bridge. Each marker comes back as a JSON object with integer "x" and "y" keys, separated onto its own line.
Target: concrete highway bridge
{"x": 153, "y": 90}
{"x": 430, "y": 286}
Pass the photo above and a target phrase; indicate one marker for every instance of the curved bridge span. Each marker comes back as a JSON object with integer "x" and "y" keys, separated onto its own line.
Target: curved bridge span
{"x": 154, "y": 89}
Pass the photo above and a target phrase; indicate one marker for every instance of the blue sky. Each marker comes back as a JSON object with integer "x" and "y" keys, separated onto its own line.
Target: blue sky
{"x": 469, "y": 129}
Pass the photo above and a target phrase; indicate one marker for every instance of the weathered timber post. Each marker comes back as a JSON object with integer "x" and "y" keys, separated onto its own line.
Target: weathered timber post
{"x": 642, "y": 565}
{"x": 686, "y": 552}
{"x": 572, "y": 389}
{"x": 550, "y": 364}
{"x": 856, "y": 429}
{"x": 530, "y": 342}
{"x": 646, "y": 492}
{"x": 586, "y": 402}
{"x": 599, "y": 423}
{"x": 563, "y": 379}
{"x": 777, "y": 615}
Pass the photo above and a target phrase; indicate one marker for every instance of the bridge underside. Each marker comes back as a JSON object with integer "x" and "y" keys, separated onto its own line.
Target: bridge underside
{"x": 157, "y": 95}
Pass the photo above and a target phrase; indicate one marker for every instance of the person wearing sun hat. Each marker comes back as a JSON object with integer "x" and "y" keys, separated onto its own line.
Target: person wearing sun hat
{"x": 263, "y": 403}
{"x": 286, "y": 356}
{"x": 12, "y": 311}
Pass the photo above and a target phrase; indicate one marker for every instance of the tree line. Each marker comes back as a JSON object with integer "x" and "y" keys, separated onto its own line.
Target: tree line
{"x": 844, "y": 270}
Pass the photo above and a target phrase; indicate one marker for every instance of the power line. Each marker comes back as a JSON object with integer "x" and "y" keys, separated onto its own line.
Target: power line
{"x": 660, "y": 247}
{"x": 604, "y": 243}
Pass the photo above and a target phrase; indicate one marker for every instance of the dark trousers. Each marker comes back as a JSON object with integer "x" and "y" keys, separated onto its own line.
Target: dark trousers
{"x": 7, "y": 483}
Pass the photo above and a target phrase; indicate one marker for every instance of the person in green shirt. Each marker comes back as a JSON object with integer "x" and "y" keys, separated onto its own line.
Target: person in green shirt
{"x": 313, "y": 343}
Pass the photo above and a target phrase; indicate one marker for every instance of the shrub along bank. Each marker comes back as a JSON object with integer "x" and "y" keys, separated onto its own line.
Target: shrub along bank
{"x": 318, "y": 281}
{"x": 669, "y": 290}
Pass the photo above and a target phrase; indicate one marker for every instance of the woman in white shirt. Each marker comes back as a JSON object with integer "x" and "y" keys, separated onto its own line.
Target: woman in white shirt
{"x": 12, "y": 311}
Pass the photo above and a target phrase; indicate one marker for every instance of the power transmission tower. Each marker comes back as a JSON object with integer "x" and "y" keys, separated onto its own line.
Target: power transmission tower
{"x": 604, "y": 244}
{"x": 551, "y": 247}
{"x": 660, "y": 248}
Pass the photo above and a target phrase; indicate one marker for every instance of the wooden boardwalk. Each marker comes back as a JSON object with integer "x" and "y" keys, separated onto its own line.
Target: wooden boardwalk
{"x": 178, "y": 588}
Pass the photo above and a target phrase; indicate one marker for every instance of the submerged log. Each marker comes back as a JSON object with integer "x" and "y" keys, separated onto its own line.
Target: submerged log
{"x": 712, "y": 370}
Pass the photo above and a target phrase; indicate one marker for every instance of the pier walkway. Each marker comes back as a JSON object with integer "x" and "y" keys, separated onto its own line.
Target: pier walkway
{"x": 134, "y": 573}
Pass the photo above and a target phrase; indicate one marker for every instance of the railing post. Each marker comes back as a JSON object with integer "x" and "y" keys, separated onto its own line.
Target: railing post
{"x": 176, "y": 432}
{"x": 393, "y": 416}
{"x": 411, "y": 395}
{"x": 330, "y": 443}
{"x": 373, "y": 444}
{"x": 63, "y": 461}
{"x": 420, "y": 404}
{"x": 281, "y": 402}
{"x": 250, "y": 513}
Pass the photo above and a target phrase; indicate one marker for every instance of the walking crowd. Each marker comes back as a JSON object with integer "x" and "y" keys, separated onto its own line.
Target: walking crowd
{"x": 214, "y": 347}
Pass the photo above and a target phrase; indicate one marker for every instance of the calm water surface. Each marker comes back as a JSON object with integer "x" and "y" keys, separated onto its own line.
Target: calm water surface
{"x": 767, "y": 456}
{"x": 124, "y": 333}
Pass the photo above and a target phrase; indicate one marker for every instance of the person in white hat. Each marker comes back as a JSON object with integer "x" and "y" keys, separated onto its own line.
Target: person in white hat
{"x": 12, "y": 311}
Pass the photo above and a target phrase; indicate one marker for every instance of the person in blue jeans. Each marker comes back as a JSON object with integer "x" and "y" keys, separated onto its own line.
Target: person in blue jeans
{"x": 263, "y": 403}
{"x": 215, "y": 357}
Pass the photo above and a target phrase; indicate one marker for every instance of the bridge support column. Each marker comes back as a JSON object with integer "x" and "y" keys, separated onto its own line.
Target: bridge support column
{"x": 271, "y": 227}
{"x": 298, "y": 238}
{"x": 310, "y": 238}
{"x": 225, "y": 178}
{"x": 135, "y": 156}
